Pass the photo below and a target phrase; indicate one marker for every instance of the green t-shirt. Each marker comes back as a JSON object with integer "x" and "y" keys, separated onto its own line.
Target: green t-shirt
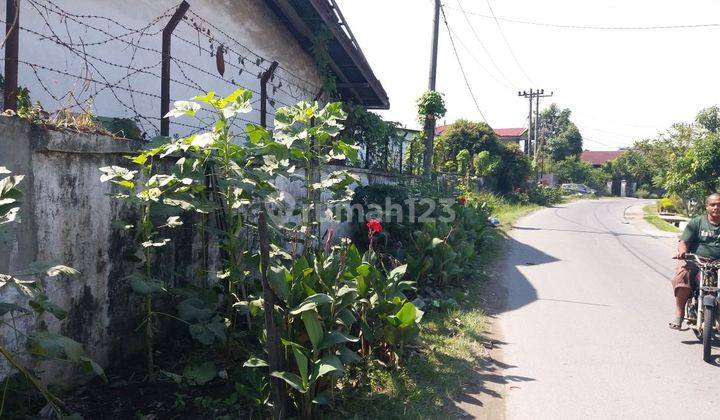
{"x": 702, "y": 237}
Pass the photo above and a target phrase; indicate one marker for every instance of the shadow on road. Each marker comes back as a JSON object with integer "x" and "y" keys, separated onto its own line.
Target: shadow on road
{"x": 594, "y": 232}
{"x": 508, "y": 275}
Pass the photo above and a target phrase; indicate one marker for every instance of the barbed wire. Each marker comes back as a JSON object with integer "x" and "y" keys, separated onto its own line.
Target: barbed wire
{"x": 93, "y": 67}
{"x": 299, "y": 93}
{"x": 314, "y": 86}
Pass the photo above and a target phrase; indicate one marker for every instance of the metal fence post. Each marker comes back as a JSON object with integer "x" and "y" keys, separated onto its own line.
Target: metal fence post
{"x": 165, "y": 74}
{"x": 276, "y": 360}
{"x": 263, "y": 92}
{"x": 12, "y": 40}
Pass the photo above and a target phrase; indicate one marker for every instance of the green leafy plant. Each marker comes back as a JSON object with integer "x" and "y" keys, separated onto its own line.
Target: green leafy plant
{"x": 310, "y": 134}
{"x": 146, "y": 189}
{"x": 431, "y": 104}
{"x": 319, "y": 316}
{"x": 444, "y": 252}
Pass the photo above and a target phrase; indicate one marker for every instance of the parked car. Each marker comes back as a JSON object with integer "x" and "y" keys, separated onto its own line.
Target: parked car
{"x": 571, "y": 188}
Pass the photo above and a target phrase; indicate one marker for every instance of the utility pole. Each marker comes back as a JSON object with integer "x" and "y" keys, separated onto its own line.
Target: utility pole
{"x": 539, "y": 144}
{"x": 528, "y": 138}
{"x": 430, "y": 121}
{"x": 532, "y": 145}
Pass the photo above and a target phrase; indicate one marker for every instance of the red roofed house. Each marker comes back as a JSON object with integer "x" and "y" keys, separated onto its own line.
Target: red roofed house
{"x": 597, "y": 158}
{"x": 509, "y": 135}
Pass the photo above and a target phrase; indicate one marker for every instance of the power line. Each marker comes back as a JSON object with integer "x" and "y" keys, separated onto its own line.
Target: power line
{"x": 457, "y": 56}
{"x": 472, "y": 28}
{"x": 497, "y": 22}
{"x": 592, "y": 27}
{"x": 482, "y": 66}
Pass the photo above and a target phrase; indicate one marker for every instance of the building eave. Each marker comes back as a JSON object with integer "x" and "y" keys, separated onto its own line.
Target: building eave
{"x": 356, "y": 81}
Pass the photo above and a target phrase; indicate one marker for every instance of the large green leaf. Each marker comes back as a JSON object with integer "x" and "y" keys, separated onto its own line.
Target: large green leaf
{"x": 312, "y": 302}
{"x": 209, "y": 332}
{"x": 335, "y": 337}
{"x": 302, "y": 363}
{"x": 397, "y": 273}
{"x": 200, "y": 374}
{"x": 347, "y": 356}
{"x": 61, "y": 269}
{"x": 313, "y": 327}
{"x": 56, "y": 346}
{"x": 346, "y": 318}
{"x": 328, "y": 363}
{"x": 361, "y": 284}
{"x": 407, "y": 314}
{"x": 43, "y": 305}
{"x": 280, "y": 280}
{"x": 353, "y": 259}
{"x": 194, "y": 309}
{"x": 254, "y": 362}
{"x": 11, "y": 307}
{"x": 292, "y": 379}
{"x": 145, "y": 287}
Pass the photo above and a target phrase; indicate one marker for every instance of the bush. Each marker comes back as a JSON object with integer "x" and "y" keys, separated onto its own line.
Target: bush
{"x": 491, "y": 202}
{"x": 397, "y": 229}
{"x": 642, "y": 193}
{"x": 666, "y": 205}
{"x": 443, "y": 253}
{"x": 518, "y": 197}
{"x": 545, "y": 196}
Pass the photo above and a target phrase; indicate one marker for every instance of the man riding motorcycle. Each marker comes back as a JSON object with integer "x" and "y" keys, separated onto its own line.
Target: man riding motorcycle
{"x": 702, "y": 237}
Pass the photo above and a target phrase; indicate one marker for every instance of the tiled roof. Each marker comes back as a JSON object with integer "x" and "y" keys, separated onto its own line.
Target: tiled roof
{"x": 509, "y": 132}
{"x": 500, "y": 132}
{"x": 597, "y": 157}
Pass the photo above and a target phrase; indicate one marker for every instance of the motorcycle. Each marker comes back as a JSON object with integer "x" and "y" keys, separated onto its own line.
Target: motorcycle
{"x": 702, "y": 309}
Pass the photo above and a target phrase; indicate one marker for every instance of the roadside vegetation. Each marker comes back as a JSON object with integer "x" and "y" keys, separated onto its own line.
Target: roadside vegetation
{"x": 291, "y": 322}
{"x": 452, "y": 342}
{"x": 681, "y": 165}
{"x": 652, "y": 217}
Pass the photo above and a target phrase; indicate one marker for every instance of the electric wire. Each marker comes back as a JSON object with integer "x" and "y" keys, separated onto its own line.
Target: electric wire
{"x": 462, "y": 70}
{"x": 482, "y": 66}
{"x": 591, "y": 27}
{"x": 482, "y": 45}
{"x": 497, "y": 22}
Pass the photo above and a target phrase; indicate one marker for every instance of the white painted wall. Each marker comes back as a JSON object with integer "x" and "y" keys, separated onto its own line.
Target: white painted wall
{"x": 250, "y": 22}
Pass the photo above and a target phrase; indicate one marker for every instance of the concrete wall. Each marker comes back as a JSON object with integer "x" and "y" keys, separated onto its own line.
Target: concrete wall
{"x": 67, "y": 217}
{"x": 66, "y": 78}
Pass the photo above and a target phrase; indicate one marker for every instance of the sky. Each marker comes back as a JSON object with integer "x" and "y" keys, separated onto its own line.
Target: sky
{"x": 621, "y": 85}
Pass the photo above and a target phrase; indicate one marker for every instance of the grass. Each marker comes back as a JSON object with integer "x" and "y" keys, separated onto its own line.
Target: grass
{"x": 509, "y": 213}
{"x": 652, "y": 217}
{"x": 445, "y": 362}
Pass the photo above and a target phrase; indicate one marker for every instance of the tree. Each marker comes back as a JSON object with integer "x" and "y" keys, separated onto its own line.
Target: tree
{"x": 561, "y": 136}
{"x": 514, "y": 166}
{"x": 696, "y": 173}
{"x": 464, "y": 135}
{"x": 709, "y": 119}
{"x": 566, "y": 144}
{"x": 376, "y": 135}
{"x": 489, "y": 155}
{"x": 683, "y": 161}
{"x": 572, "y": 169}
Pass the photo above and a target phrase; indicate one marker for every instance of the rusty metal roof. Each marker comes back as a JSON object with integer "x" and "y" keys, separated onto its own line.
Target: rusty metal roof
{"x": 356, "y": 81}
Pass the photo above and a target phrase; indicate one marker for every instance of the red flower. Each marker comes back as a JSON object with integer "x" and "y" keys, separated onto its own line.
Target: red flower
{"x": 374, "y": 226}
{"x": 461, "y": 200}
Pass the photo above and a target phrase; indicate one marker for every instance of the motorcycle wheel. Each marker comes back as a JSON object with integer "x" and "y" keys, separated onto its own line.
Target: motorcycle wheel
{"x": 707, "y": 333}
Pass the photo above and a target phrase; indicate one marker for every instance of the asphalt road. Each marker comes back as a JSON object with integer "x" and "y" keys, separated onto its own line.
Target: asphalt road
{"x": 583, "y": 328}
